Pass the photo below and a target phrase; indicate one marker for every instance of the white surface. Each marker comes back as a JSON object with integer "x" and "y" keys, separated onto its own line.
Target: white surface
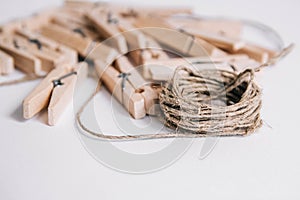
{"x": 41, "y": 162}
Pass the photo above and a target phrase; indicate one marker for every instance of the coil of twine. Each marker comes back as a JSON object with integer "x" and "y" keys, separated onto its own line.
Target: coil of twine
{"x": 211, "y": 102}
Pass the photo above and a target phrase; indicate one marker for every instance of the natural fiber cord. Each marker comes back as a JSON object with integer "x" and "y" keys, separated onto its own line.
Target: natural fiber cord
{"x": 187, "y": 104}
{"x": 211, "y": 102}
{"x": 201, "y": 103}
{"x": 28, "y": 77}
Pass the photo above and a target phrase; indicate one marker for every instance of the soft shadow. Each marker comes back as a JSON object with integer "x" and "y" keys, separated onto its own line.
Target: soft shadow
{"x": 18, "y": 114}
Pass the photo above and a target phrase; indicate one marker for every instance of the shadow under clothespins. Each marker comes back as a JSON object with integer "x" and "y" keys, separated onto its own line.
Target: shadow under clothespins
{"x": 17, "y": 114}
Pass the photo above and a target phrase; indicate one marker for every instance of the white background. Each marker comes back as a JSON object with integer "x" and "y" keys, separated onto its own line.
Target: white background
{"x": 41, "y": 162}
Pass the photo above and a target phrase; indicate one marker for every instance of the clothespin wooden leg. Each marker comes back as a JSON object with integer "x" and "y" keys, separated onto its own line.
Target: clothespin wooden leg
{"x": 6, "y": 63}
{"x": 23, "y": 60}
{"x": 68, "y": 38}
{"x": 257, "y": 53}
{"x": 62, "y": 95}
{"x": 103, "y": 52}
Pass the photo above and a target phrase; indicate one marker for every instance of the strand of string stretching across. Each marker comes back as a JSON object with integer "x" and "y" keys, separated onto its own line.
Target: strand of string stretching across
{"x": 192, "y": 115}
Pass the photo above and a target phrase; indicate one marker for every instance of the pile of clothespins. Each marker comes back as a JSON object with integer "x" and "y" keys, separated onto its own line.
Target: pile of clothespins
{"x": 118, "y": 39}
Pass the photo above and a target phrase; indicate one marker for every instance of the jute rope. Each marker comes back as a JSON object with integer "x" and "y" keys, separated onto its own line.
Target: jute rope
{"x": 26, "y": 78}
{"x": 211, "y": 102}
{"x": 200, "y": 103}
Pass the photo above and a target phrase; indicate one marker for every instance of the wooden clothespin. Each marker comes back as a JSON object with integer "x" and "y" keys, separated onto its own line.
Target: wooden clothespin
{"x": 156, "y": 50}
{"x": 80, "y": 40}
{"x": 81, "y": 4}
{"x": 96, "y": 49}
{"x": 67, "y": 21}
{"x": 137, "y": 11}
{"x": 49, "y": 58}
{"x": 260, "y": 54}
{"x": 178, "y": 40}
{"x": 140, "y": 85}
{"x": 23, "y": 60}
{"x": 165, "y": 72}
{"x": 34, "y": 53}
{"x": 67, "y": 37}
{"x": 54, "y": 92}
{"x": 162, "y": 70}
{"x": 6, "y": 63}
{"x": 121, "y": 89}
{"x": 118, "y": 29}
{"x": 69, "y": 55}
{"x": 228, "y": 28}
{"x": 221, "y": 41}
{"x": 200, "y": 59}
{"x": 76, "y": 15}
{"x": 153, "y": 50}
{"x": 134, "y": 37}
{"x": 105, "y": 22}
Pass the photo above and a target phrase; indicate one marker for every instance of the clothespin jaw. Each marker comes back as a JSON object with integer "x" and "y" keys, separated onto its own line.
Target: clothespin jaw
{"x": 40, "y": 96}
{"x": 63, "y": 92}
{"x": 55, "y": 91}
{"x": 121, "y": 89}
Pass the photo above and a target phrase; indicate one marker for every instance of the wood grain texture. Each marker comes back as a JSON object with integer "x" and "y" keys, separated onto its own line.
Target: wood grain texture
{"x": 139, "y": 83}
{"x": 69, "y": 38}
{"x": 179, "y": 42}
{"x": 22, "y": 59}
{"x": 107, "y": 30}
{"x": 6, "y": 63}
{"x": 60, "y": 99}
{"x": 133, "y": 102}
{"x": 40, "y": 96}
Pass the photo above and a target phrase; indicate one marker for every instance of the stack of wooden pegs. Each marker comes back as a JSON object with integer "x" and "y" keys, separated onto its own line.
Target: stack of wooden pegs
{"x": 131, "y": 48}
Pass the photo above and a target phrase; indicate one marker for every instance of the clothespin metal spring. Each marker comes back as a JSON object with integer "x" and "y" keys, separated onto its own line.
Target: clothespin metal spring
{"x": 58, "y": 82}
